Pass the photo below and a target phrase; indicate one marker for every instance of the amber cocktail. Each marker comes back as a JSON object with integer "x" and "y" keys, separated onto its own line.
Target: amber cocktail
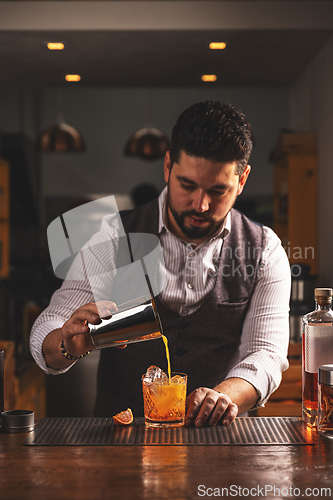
{"x": 164, "y": 400}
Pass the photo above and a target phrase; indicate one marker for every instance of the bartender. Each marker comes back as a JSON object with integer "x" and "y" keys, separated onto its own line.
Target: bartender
{"x": 225, "y": 305}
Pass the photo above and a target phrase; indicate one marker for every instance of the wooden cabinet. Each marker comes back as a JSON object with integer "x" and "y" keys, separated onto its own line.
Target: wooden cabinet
{"x": 4, "y": 190}
{"x": 32, "y": 391}
{"x": 295, "y": 222}
{"x": 295, "y": 207}
{"x": 24, "y": 389}
{"x": 10, "y": 379}
{"x": 4, "y": 219}
{"x": 287, "y": 399}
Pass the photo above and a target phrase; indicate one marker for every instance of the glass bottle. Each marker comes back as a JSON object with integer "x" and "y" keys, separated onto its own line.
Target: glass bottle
{"x": 325, "y": 400}
{"x": 317, "y": 349}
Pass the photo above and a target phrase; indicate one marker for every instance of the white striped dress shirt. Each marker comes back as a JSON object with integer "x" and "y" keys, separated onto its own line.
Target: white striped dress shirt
{"x": 191, "y": 277}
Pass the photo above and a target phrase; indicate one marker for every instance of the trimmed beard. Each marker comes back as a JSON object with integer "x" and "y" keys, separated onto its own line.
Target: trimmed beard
{"x": 193, "y": 232}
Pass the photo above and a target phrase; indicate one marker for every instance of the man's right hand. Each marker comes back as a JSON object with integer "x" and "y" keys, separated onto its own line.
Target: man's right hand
{"x": 75, "y": 331}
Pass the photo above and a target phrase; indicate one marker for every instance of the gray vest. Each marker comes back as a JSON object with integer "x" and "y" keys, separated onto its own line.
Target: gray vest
{"x": 203, "y": 344}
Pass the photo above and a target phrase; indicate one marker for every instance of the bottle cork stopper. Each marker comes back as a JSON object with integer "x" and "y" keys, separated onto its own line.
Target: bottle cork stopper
{"x": 323, "y": 292}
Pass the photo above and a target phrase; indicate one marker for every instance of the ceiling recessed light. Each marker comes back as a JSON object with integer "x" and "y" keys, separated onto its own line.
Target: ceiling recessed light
{"x": 209, "y": 78}
{"x": 55, "y": 46}
{"x": 72, "y": 78}
{"x": 217, "y": 45}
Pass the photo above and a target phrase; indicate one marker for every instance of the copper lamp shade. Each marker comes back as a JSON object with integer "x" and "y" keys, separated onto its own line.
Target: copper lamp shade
{"x": 147, "y": 143}
{"x": 60, "y": 138}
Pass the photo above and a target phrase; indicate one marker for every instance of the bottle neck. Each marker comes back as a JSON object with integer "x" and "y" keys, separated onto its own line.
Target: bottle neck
{"x": 323, "y": 303}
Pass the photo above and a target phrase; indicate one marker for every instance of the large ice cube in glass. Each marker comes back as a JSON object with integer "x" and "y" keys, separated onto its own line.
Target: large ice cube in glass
{"x": 154, "y": 373}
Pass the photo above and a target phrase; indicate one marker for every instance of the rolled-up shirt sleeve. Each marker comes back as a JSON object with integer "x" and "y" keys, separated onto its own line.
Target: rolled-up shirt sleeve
{"x": 265, "y": 335}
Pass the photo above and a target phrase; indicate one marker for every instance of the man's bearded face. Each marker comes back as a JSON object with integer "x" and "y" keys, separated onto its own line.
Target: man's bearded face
{"x": 210, "y": 225}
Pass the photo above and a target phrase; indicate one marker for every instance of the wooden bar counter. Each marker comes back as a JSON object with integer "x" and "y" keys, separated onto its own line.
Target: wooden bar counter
{"x": 163, "y": 472}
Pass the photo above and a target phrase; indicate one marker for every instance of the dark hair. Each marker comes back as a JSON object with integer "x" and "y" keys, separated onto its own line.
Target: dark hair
{"x": 214, "y": 131}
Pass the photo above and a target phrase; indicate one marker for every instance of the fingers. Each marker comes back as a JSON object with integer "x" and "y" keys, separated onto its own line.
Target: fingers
{"x": 78, "y": 323}
{"x": 228, "y": 415}
{"x": 103, "y": 308}
{"x": 206, "y": 407}
{"x": 193, "y": 403}
{"x": 91, "y": 313}
{"x": 75, "y": 331}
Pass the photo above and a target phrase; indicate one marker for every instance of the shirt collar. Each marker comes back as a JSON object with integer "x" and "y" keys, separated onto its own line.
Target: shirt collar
{"x": 224, "y": 231}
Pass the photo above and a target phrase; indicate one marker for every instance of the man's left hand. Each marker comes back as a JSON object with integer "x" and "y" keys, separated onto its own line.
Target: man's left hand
{"x": 206, "y": 407}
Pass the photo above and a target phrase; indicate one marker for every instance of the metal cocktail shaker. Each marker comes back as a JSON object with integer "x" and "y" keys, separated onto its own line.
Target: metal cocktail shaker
{"x": 137, "y": 321}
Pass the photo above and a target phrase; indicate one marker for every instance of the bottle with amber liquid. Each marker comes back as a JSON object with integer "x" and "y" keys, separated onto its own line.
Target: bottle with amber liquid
{"x": 317, "y": 350}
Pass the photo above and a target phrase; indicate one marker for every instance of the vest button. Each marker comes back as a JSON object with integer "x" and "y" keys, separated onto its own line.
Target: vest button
{"x": 182, "y": 325}
{"x": 180, "y": 352}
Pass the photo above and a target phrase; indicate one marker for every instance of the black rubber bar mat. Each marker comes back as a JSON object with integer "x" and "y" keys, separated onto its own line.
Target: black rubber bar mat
{"x": 103, "y": 432}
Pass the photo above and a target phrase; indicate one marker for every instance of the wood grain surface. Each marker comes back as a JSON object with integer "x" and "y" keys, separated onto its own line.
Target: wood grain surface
{"x": 157, "y": 472}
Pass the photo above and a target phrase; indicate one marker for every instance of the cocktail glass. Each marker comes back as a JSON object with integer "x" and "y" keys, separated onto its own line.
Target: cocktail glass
{"x": 165, "y": 400}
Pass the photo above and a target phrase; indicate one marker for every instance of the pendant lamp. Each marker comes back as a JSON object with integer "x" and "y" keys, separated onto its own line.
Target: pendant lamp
{"x": 61, "y": 137}
{"x": 148, "y": 143}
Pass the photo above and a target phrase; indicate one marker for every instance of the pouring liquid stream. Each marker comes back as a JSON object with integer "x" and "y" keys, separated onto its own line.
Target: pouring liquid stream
{"x": 165, "y": 340}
